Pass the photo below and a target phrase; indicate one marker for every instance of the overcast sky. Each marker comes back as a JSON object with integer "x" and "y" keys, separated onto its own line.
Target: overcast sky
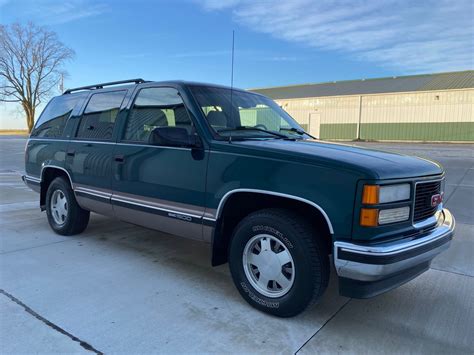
{"x": 277, "y": 42}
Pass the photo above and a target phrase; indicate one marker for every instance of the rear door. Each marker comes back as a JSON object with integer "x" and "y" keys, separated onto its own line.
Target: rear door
{"x": 90, "y": 151}
{"x": 160, "y": 187}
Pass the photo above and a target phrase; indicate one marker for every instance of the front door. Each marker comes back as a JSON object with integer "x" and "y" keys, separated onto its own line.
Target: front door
{"x": 159, "y": 187}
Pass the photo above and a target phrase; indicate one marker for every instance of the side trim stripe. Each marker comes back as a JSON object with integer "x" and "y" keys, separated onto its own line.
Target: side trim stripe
{"x": 136, "y": 203}
{"x": 158, "y": 211}
{"x": 92, "y": 196}
{"x": 97, "y": 193}
{"x": 105, "y": 197}
{"x": 33, "y": 179}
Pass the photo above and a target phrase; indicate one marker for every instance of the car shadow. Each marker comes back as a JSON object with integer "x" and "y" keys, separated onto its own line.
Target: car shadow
{"x": 186, "y": 258}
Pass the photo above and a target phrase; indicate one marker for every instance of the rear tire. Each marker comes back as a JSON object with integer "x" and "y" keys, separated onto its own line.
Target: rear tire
{"x": 278, "y": 262}
{"x": 65, "y": 216}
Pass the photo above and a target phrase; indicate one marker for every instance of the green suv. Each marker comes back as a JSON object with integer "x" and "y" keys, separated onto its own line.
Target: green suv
{"x": 232, "y": 169}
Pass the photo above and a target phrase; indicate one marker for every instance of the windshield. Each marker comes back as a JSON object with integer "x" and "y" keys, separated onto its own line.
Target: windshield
{"x": 248, "y": 116}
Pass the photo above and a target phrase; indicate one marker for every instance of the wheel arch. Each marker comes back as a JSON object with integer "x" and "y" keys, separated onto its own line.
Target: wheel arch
{"x": 48, "y": 174}
{"x": 228, "y": 215}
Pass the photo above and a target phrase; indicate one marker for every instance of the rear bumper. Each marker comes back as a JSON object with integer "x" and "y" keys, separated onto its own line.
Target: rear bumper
{"x": 368, "y": 270}
{"x": 32, "y": 182}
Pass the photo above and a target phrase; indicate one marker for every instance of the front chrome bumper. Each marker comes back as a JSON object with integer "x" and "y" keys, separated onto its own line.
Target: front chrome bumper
{"x": 367, "y": 270}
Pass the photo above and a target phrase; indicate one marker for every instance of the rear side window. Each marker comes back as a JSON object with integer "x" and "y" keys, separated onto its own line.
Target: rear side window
{"x": 98, "y": 119}
{"x": 54, "y": 117}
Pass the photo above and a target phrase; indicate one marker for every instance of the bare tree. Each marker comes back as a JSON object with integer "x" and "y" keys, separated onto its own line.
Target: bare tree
{"x": 31, "y": 65}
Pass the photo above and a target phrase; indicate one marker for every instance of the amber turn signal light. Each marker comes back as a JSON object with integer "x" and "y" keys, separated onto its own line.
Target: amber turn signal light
{"x": 369, "y": 217}
{"x": 370, "y": 195}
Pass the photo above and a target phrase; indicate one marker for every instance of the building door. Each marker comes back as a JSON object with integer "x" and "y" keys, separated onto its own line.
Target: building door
{"x": 314, "y": 123}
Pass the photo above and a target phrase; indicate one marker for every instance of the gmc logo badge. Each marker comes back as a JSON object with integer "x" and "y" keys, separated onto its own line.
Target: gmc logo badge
{"x": 436, "y": 200}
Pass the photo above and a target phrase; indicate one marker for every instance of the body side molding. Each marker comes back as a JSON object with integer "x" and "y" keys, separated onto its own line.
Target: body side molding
{"x": 150, "y": 206}
{"x": 32, "y": 178}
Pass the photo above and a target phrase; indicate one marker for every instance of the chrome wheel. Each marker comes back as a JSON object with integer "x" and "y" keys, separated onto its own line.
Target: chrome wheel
{"x": 268, "y": 265}
{"x": 59, "y": 207}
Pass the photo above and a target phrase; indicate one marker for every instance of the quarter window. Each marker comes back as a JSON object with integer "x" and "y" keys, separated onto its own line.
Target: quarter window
{"x": 98, "y": 119}
{"x": 52, "y": 121}
{"x": 156, "y": 107}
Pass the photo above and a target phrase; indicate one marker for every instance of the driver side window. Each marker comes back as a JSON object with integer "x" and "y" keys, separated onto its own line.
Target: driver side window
{"x": 155, "y": 107}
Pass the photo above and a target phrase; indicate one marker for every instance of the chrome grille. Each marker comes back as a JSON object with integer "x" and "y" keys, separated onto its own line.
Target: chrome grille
{"x": 424, "y": 191}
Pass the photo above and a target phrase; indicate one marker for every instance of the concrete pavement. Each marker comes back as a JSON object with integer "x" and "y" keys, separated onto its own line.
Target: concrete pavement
{"x": 118, "y": 288}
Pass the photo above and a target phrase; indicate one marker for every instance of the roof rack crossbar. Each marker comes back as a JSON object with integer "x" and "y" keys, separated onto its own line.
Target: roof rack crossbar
{"x": 101, "y": 86}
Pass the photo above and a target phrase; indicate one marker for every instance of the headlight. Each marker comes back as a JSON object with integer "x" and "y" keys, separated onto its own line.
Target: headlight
{"x": 394, "y": 193}
{"x": 381, "y": 194}
{"x": 374, "y": 194}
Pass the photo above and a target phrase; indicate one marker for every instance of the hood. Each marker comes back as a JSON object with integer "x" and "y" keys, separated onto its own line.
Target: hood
{"x": 373, "y": 163}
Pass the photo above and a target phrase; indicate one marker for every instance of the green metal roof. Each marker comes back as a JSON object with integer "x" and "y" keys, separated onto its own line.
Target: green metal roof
{"x": 424, "y": 82}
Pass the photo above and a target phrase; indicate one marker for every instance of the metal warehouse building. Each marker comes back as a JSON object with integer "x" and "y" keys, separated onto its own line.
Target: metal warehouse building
{"x": 432, "y": 107}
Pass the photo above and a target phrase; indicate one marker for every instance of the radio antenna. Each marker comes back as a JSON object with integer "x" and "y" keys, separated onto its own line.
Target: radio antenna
{"x": 232, "y": 69}
{"x": 232, "y": 85}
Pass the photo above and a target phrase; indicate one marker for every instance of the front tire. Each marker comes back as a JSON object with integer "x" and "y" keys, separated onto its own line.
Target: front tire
{"x": 65, "y": 216}
{"x": 279, "y": 264}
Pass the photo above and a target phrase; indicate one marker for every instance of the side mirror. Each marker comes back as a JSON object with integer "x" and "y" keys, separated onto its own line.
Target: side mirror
{"x": 173, "y": 137}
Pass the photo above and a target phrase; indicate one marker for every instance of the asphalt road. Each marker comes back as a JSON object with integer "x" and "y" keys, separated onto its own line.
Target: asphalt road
{"x": 121, "y": 288}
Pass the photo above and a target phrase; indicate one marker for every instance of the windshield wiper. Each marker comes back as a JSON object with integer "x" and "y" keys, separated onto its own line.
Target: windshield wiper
{"x": 296, "y": 130}
{"x": 247, "y": 128}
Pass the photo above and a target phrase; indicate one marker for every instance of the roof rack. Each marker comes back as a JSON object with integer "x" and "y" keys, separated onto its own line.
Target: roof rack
{"x": 101, "y": 86}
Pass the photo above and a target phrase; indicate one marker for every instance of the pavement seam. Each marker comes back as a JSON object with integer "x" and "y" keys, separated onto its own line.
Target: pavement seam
{"x": 36, "y": 246}
{"x": 330, "y": 319}
{"x": 50, "y": 324}
{"x": 460, "y": 185}
{"x": 451, "y": 272}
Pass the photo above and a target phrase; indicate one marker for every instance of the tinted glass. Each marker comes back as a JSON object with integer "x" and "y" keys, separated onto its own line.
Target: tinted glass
{"x": 156, "y": 107}
{"x": 98, "y": 119}
{"x": 53, "y": 119}
{"x": 224, "y": 111}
